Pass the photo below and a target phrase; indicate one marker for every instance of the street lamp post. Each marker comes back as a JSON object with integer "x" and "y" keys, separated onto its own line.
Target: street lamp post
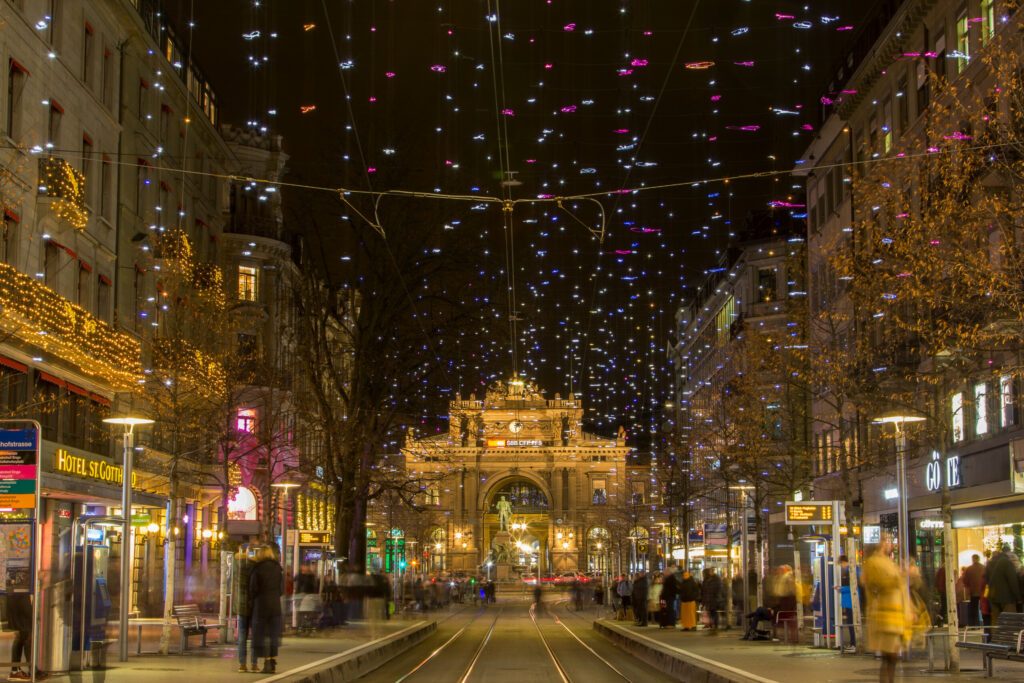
{"x": 745, "y": 543}
{"x": 899, "y": 421}
{"x": 285, "y": 488}
{"x": 128, "y": 441}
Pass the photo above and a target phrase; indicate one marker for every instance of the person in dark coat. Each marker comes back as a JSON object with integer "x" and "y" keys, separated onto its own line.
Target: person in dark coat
{"x": 712, "y": 598}
{"x": 669, "y": 595}
{"x": 640, "y": 594}
{"x": 266, "y": 585}
{"x": 689, "y": 594}
{"x": 242, "y": 576}
{"x": 1003, "y": 585}
{"x": 19, "y": 618}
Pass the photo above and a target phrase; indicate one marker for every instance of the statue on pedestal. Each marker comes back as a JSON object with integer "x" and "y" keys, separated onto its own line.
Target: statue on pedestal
{"x": 504, "y": 513}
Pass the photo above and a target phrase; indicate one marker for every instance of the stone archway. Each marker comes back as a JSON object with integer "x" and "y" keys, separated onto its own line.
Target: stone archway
{"x": 524, "y": 546}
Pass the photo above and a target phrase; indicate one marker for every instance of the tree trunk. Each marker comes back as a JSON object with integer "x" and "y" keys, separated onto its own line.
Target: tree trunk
{"x": 950, "y": 552}
{"x": 170, "y": 564}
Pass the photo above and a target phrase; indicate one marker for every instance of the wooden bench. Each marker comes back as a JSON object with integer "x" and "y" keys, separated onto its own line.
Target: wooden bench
{"x": 191, "y": 623}
{"x": 1005, "y": 641}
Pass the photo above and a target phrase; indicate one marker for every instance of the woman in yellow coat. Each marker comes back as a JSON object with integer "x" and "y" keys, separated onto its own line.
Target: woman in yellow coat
{"x": 887, "y": 598}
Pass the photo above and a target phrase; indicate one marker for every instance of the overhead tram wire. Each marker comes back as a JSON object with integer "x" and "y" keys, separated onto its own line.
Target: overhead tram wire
{"x": 507, "y": 207}
{"x": 488, "y": 199}
{"x": 369, "y": 183}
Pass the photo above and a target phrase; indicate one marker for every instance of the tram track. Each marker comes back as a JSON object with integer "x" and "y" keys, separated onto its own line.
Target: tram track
{"x": 516, "y": 642}
{"x": 559, "y": 665}
{"x": 412, "y": 674}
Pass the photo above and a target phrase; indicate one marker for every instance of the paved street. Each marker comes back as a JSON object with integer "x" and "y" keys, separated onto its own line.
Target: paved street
{"x": 508, "y": 642}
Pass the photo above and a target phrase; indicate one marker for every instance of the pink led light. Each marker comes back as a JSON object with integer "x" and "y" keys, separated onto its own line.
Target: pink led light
{"x": 625, "y": 72}
{"x": 750, "y": 128}
{"x": 508, "y": 112}
{"x": 569, "y": 28}
{"x": 371, "y": 169}
{"x": 716, "y": 98}
{"x": 638, "y": 62}
{"x": 568, "y": 110}
{"x": 389, "y": 74}
{"x": 748, "y": 63}
{"x": 807, "y": 126}
{"x": 844, "y": 28}
{"x": 621, "y": 131}
{"x": 371, "y": 99}
{"x": 783, "y": 17}
{"x": 782, "y": 204}
{"x": 956, "y": 135}
{"x": 439, "y": 68}
{"x": 549, "y": 66}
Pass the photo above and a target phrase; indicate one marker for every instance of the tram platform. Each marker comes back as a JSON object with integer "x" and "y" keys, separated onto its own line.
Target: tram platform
{"x": 725, "y": 658}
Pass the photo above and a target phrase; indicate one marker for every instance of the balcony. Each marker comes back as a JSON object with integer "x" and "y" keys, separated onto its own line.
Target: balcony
{"x": 64, "y": 186}
{"x": 39, "y": 316}
{"x": 258, "y": 226}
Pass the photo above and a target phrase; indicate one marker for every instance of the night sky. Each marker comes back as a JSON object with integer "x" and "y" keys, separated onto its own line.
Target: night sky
{"x": 575, "y": 97}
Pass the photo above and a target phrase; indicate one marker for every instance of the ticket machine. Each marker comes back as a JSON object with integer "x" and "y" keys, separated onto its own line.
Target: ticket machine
{"x": 91, "y": 600}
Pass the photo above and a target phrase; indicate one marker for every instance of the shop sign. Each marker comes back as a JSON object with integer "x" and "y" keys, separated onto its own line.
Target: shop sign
{"x": 930, "y": 524}
{"x": 87, "y": 468}
{"x": 933, "y": 475}
{"x": 514, "y": 443}
{"x": 715, "y": 537}
{"x": 141, "y": 519}
{"x": 809, "y": 512}
{"x": 18, "y": 469}
{"x": 872, "y": 534}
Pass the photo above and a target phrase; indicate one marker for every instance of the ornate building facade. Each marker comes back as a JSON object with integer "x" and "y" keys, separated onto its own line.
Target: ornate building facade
{"x": 575, "y": 499}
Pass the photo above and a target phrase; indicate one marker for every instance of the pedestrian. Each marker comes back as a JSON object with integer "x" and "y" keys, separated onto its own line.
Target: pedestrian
{"x": 849, "y": 635}
{"x": 887, "y": 599}
{"x": 640, "y": 595}
{"x": 669, "y": 596}
{"x": 712, "y": 599}
{"x": 974, "y": 580}
{"x": 266, "y": 585}
{"x": 624, "y": 589}
{"x": 940, "y": 590}
{"x": 689, "y": 593}
{"x": 1003, "y": 585}
{"x": 653, "y": 597}
{"x": 246, "y": 555}
{"x": 19, "y": 618}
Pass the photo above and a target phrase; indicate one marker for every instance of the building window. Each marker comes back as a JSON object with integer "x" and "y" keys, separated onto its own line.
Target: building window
{"x": 1007, "y": 414}
{"x": 15, "y": 91}
{"x": 939, "y": 48}
{"x": 86, "y": 166}
{"x": 84, "y": 285}
{"x": 956, "y": 404}
{"x": 600, "y": 492}
{"x": 106, "y": 188}
{"x": 963, "y": 41}
{"x": 9, "y": 239}
{"x": 247, "y": 283}
{"x": 903, "y": 106}
{"x": 767, "y": 287}
{"x": 246, "y": 421}
{"x": 887, "y": 125}
{"x": 88, "y": 37}
{"x": 143, "y": 102}
{"x": 51, "y": 265}
{"x": 988, "y": 20}
{"x": 107, "y": 78}
{"x": 103, "y": 298}
{"x": 142, "y": 187}
{"x": 980, "y": 408}
{"x": 53, "y": 125}
{"x": 53, "y": 22}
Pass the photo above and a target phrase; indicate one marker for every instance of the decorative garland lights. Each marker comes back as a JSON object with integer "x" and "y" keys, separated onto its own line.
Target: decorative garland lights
{"x": 202, "y": 374}
{"x": 65, "y": 185}
{"x": 43, "y": 318}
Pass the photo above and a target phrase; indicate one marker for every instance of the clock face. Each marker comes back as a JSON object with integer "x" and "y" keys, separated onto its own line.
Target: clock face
{"x": 515, "y": 426}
